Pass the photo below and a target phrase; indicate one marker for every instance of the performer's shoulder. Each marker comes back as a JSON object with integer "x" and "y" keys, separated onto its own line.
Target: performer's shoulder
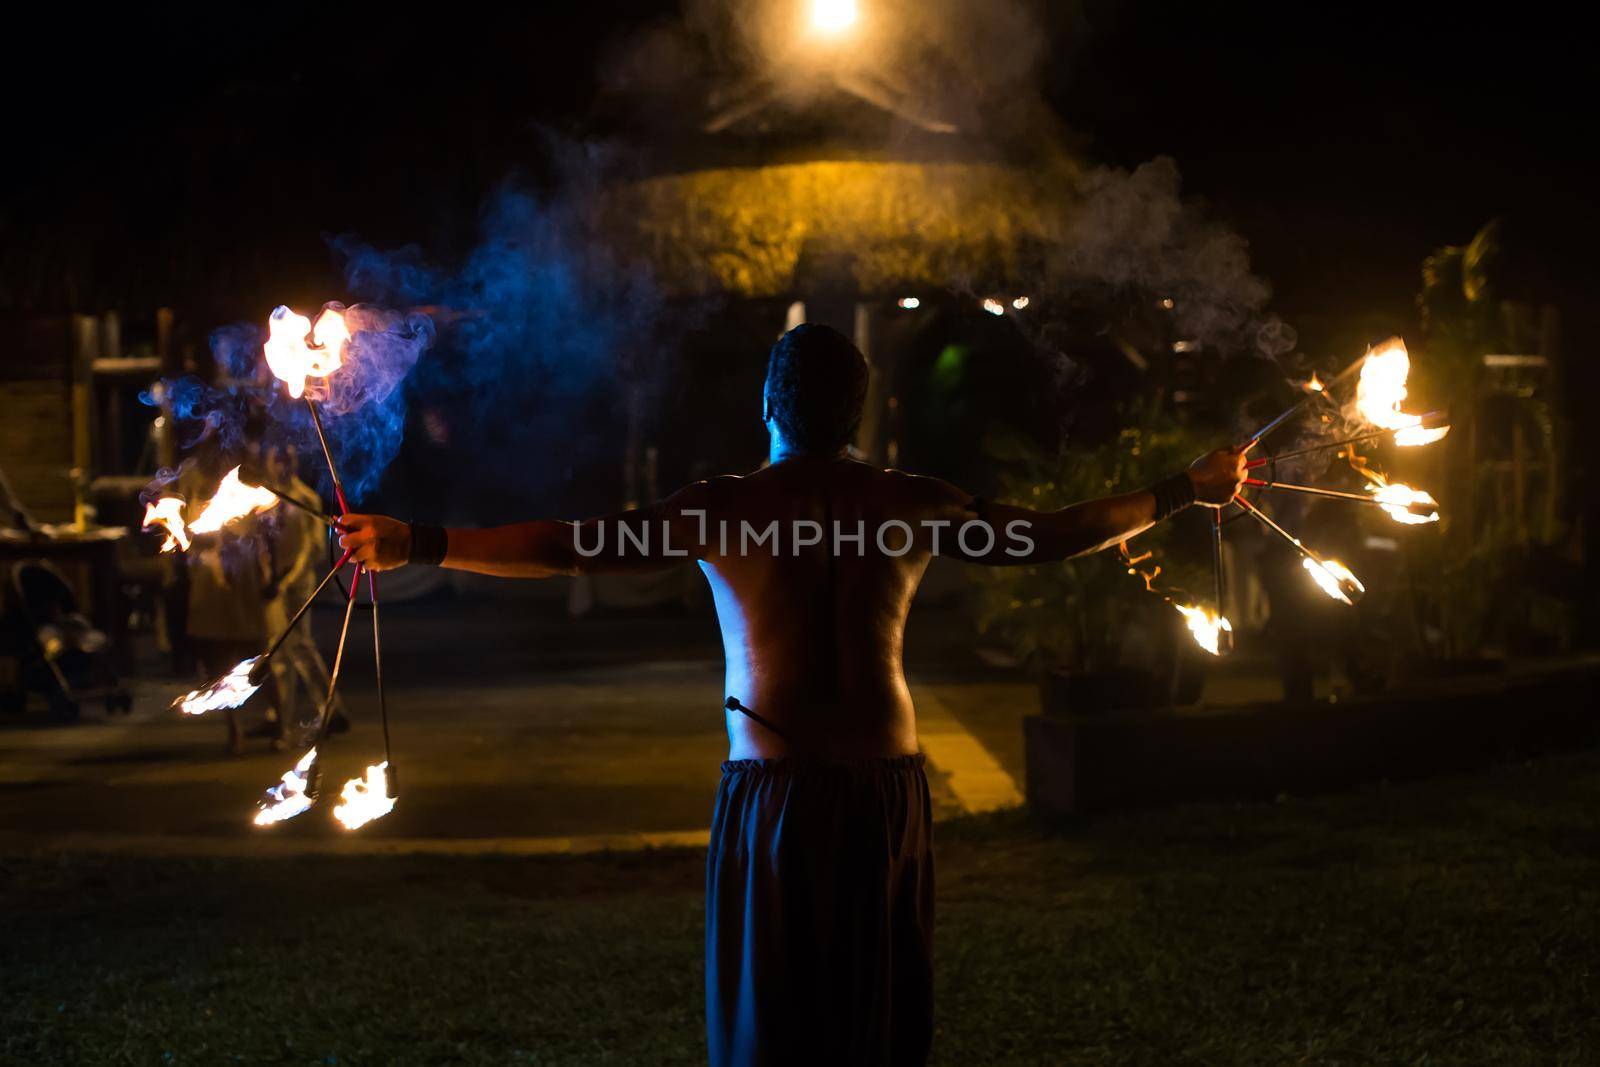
{"x": 927, "y": 489}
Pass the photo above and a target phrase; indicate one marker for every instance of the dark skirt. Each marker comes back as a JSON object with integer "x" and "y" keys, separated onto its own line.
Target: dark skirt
{"x": 819, "y": 914}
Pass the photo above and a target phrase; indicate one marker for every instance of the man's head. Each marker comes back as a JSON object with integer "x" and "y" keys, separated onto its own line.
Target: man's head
{"x": 816, "y": 387}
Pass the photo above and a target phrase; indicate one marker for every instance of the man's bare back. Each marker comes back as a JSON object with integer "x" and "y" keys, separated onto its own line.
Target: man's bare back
{"x": 813, "y": 633}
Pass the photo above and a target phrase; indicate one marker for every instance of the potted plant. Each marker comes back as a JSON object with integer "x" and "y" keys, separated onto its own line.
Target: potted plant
{"x": 1094, "y": 636}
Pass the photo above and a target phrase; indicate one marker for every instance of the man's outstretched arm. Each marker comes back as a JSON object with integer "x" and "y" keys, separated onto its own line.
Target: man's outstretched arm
{"x": 1022, "y": 535}
{"x": 642, "y": 539}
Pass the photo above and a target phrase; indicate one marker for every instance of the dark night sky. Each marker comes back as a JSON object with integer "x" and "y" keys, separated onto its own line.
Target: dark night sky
{"x": 1345, "y": 142}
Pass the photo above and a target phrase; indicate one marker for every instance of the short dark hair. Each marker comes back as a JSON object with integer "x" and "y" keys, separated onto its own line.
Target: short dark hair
{"x": 816, "y": 387}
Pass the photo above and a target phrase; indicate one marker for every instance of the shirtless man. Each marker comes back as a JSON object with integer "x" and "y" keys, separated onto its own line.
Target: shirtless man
{"x": 819, "y": 881}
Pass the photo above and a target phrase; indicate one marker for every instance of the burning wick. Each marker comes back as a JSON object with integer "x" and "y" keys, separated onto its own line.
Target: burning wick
{"x": 1335, "y": 579}
{"x": 232, "y": 500}
{"x": 1413, "y": 507}
{"x": 1315, "y": 384}
{"x": 1207, "y": 627}
{"x": 1382, "y": 388}
{"x": 296, "y": 350}
{"x": 290, "y": 797}
{"x": 229, "y": 691}
{"x": 1332, "y": 576}
{"x": 365, "y": 799}
{"x": 1402, "y": 503}
{"x": 168, "y": 514}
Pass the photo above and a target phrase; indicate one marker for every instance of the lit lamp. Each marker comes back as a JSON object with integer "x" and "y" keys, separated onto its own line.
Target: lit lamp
{"x": 832, "y": 17}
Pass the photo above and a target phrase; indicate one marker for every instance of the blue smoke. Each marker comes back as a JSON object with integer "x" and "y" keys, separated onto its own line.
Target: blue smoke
{"x": 497, "y": 392}
{"x": 363, "y": 404}
{"x": 518, "y": 401}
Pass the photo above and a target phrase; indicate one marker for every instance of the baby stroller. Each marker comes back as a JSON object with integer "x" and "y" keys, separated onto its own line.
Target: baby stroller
{"x": 51, "y": 648}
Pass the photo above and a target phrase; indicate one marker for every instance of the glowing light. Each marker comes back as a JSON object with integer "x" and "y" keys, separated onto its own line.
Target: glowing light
{"x": 232, "y": 500}
{"x": 1185, "y": 346}
{"x": 1382, "y": 389}
{"x": 1167, "y": 303}
{"x": 1335, "y": 579}
{"x": 1315, "y": 384}
{"x": 365, "y": 799}
{"x": 289, "y": 797}
{"x": 1020, "y": 302}
{"x": 229, "y": 691}
{"x": 833, "y": 16}
{"x": 168, "y": 514}
{"x": 1413, "y": 507}
{"x": 993, "y": 306}
{"x": 1206, "y": 627}
{"x": 910, "y": 303}
{"x": 296, "y": 351}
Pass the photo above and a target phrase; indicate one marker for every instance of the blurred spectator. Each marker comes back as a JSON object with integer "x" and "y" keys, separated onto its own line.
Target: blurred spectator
{"x": 228, "y": 589}
{"x": 296, "y": 548}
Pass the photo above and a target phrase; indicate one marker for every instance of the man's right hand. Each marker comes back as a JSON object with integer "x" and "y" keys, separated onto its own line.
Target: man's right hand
{"x": 379, "y": 543}
{"x": 1218, "y": 476}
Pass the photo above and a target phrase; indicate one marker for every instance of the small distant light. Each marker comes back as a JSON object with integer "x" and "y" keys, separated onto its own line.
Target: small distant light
{"x": 993, "y": 306}
{"x": 1167, "y": 303}
{"x": 910, "y": 303}
{"x": 1020, "y": 302}
{"x": 1184, "y": 346}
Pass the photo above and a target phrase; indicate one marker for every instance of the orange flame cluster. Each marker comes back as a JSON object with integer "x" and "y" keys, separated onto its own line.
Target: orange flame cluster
{"x": 233, "y": 500}
{"x": 1381, "y": 390}
{"x": 1206, "y": 627}
{"x": 289, "y": 797}
{"x": 365, "y": 799}
{"x": 167, "y": 513}
{"x": 1335, "y": 579}
{"x": 229, "y": 691}
{"x": 297, "y": 351}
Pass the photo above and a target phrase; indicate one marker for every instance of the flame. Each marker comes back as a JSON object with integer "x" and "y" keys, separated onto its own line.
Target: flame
{"x": 1382, "y": 389}
{"x": 1412, "y": 436}
{"x": 1413, "y": 507}
{"x": 1335, "y": 579}
{"x": 232, "y": 500}
{"x": 168, "y": 514}
{"x": 289, "y": 797}
{"x": 365, "y": 799}
{"x": 229, "y": 691}
{"x": 296, "y": 351}
{"x": 1205, "y": 626}
{"x": 1315, "y": 384}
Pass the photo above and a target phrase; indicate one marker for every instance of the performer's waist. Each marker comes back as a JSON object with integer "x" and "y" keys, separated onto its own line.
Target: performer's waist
{"x": 806, "y": 763}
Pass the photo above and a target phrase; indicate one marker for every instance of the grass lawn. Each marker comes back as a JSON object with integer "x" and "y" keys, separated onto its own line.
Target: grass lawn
{"x": 1454, "y": 921}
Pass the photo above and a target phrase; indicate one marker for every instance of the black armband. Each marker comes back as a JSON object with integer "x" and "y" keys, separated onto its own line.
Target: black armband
{"x": 428, "y": 544}
{"x": 1172, "y": 495}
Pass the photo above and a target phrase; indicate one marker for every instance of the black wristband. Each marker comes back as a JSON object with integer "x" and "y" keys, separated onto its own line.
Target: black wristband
{"x": 1172, "y": 495}
{"x": 428, "y": 544}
